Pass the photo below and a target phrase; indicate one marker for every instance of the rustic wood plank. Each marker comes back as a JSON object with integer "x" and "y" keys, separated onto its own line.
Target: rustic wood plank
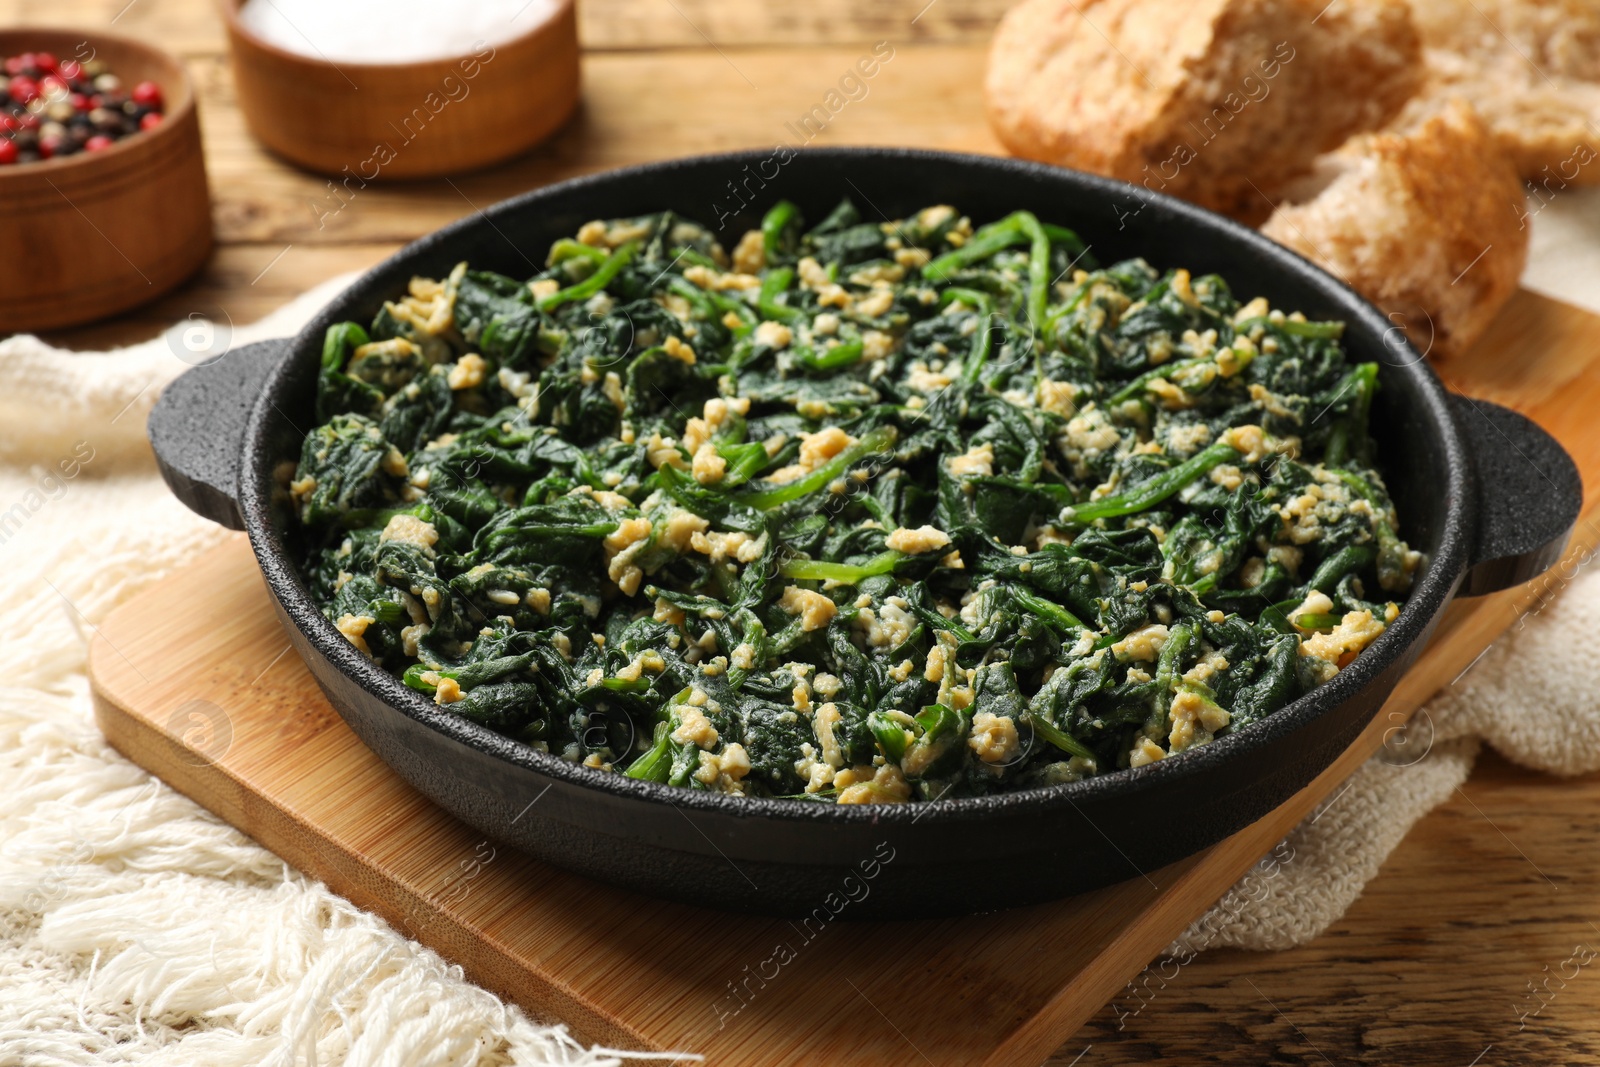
{"x": 1432, "y": 965}
{"x": 656, "y": 24}
{"x": 649, "y": 25}
{"x": 624, "y": 119}
{"x": 240, "y": 284}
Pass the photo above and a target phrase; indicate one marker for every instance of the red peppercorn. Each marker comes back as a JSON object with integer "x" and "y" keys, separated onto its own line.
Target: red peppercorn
{"x": 53, "y": 108}
{"x": 147, "y": 94}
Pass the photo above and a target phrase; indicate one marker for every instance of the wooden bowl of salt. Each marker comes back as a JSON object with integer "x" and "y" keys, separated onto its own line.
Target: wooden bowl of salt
{"x": 365, "y": 91}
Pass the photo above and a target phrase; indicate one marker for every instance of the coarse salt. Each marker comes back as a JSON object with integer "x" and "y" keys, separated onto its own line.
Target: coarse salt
{"x": 390, "y": 31}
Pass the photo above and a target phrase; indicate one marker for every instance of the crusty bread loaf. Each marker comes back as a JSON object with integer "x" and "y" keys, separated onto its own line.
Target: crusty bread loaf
{"x": 1531, "y": 68}
{"x": 1217, "y": 101}
{"x": 1426, "y": 220}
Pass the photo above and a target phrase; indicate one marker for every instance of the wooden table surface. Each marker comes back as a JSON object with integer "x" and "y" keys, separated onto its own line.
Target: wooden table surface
{"x": 1497, "y": 889}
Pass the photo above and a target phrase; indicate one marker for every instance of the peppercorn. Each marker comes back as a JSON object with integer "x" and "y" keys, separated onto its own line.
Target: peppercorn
{"x": 52, "y": 107}
{"x": 23, "y": 89}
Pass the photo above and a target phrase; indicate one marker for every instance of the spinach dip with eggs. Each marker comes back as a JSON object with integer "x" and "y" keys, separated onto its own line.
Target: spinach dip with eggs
{"x": 860, "y": 512}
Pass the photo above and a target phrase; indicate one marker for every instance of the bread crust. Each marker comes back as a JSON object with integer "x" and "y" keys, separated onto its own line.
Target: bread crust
{"x": 1428, "y": 221}
{"x": 1221, "y": 102}
{"x": 1530, "y": 69}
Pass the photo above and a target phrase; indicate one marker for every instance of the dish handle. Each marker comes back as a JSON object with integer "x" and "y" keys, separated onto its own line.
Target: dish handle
{"x": 1529, "y": 496}
{"x": 197, "y": 428}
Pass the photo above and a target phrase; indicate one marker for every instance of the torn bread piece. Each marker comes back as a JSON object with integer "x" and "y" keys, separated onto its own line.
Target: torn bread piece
{"x": 1220, "y": 102}
{"x": 1531, "y": 70}
{"x": 1425, "y": 221}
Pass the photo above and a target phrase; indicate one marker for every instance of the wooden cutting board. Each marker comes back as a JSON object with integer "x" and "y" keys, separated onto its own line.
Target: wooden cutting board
{"x": 194, "y": 680}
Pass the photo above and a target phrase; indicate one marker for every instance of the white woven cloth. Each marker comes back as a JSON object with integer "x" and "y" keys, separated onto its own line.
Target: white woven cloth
{"x": 135, "y": 927}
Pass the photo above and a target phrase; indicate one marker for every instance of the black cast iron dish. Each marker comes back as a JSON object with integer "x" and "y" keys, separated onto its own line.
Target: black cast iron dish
{"x": 1484, "y": 492}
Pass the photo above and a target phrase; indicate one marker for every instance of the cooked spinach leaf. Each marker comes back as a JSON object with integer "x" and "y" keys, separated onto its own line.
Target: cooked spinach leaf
{"x": 865, "y": 512}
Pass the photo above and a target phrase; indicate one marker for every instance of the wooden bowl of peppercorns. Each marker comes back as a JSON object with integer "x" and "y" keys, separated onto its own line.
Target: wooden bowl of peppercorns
{"x": 103, "y": 197}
